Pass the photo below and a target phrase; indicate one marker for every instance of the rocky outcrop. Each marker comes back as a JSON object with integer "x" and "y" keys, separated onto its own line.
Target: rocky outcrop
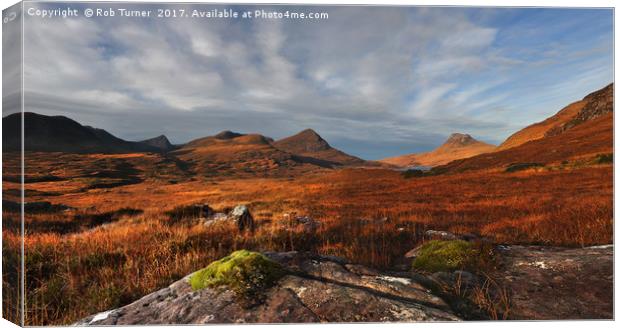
{"x": 315, "y": 289}
{"x": 596, "y": 105}
{"x": 531, "y": 282}
{"x": 554, "y": 283}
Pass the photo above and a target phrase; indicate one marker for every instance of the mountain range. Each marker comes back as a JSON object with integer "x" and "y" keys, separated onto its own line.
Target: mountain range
{"x": 226, "y": 149}
{"x": 583, "y": 127}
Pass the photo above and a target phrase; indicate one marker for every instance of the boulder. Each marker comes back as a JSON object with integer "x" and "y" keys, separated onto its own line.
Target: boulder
{"x": 240, "y": 216}
{"x": 314, "y": 289}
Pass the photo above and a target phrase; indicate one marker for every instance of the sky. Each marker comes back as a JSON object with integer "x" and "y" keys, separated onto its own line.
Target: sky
{"x": 373, "y": 81}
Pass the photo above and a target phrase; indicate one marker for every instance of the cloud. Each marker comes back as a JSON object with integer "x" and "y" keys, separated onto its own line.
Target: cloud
{"x": 374, "y": 80}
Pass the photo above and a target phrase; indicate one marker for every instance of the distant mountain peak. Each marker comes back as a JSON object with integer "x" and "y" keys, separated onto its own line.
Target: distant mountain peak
{"x": 309, "y": 143}
{"x": 160, "y": 142}
{"x": 309, "y": 132}
{"x": 459, "y": 140}
{"x": 457, "y": 146}
{"x": 305, "y": 141}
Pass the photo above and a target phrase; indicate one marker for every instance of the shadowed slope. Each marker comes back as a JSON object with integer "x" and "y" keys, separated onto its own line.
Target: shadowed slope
{"x": 62, "y": 134}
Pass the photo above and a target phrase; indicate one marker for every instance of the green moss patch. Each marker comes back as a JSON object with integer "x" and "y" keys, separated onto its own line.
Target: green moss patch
{"x": 246, "y": 273}
{"x": 441, "y": 255}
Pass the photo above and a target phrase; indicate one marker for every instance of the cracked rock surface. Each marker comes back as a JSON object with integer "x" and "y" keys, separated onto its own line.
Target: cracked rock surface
{"x": 317, "y": 289}
{"x": 554, "y": 283}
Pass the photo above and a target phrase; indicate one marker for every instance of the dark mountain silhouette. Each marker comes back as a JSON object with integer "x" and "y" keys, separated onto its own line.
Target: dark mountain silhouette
{"x": 62, "y": 134}
{"x": 161, "y": 142}
{"x": 310, "y": 145}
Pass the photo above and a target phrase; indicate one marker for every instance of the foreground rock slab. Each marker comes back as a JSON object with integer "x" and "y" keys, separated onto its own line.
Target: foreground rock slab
{"x": 318, "y": 289}
{"x": 552, "y": 283}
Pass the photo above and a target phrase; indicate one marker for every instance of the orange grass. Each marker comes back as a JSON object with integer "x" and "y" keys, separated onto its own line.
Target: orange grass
{"x": 370, "y": 217}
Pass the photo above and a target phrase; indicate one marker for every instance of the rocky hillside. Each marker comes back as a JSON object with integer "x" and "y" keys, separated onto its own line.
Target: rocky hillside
{"x": 457, "y": 146}
{"x": 311, "y": 145}
{"x": 590, "y": 107}
{"x": 586, "y": 139}
{"x": 313, "y": 289}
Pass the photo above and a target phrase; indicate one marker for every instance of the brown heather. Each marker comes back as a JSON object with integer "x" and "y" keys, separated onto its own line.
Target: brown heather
{"x": 74, "y": 274}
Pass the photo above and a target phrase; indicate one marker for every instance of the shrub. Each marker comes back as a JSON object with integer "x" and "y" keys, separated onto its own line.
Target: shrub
{"x": 246, "y": 273}
{"x": 522, "y": 166}
{"x": 185, "y": 214}
{"x": 413, "y": 173}
{"x": 604, "y": 158}
{"x": 444, "y": 255}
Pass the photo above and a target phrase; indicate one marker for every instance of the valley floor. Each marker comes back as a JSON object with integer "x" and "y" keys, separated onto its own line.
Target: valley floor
{"x": 113, "y": 242}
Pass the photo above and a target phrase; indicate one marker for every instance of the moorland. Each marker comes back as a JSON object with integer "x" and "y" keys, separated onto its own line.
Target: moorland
{"x": 108, "y": 221}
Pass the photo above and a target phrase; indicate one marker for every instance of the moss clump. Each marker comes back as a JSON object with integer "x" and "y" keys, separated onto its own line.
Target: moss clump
{"x": 440, "y": 255}
{"x": 246, "y": 273}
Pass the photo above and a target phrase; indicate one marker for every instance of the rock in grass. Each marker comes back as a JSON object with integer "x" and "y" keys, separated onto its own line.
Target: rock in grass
{"x": 241, "y": 215}
{"x": 247, "y": 273}
{"x": 444, "y": 255}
